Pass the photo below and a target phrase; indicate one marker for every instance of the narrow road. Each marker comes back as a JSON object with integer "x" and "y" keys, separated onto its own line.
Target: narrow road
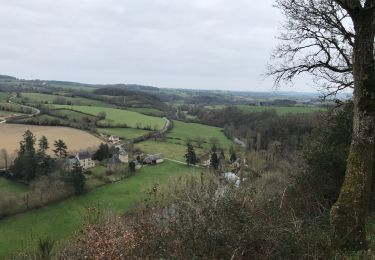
{"x": 166, "y": 126}
{"x": 180, "y": 162}
{"x": 35, "y": 110}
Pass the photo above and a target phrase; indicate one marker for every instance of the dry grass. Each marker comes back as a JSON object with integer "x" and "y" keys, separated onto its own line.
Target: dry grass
{"x": 11, "y": 135}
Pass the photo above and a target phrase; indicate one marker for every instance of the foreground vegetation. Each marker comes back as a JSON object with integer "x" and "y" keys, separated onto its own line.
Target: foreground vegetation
{"x": 61, "y": 220}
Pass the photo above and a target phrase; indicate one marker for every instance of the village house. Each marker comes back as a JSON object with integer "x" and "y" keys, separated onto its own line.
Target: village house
{"x": 114, "y": 139}
{"x": 153, "y": 159}
{"x": 71, "y": 162}
{"x": 85, "y": 161}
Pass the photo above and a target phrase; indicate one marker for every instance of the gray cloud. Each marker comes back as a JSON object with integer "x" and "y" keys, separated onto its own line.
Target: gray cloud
{"x": 210, "y": 44}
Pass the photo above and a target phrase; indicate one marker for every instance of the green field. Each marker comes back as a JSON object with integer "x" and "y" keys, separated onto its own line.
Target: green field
{"x": 280, "y": 110}
{"x": 146, "y": 111}
{"x": 119, "y": 116}
{"x": 186, "y": 131}
{"x": 73, "y": 115}
{"x": 167, "y": 149}
{"x": 125, "y": 133}
{"x": 3, "y": 96}
{"x": 7, "y": 113}
{"x": 174, "y": 147}
{"x": 61, "y": 220}
{"x": 10, "y": 188}
{"x": 42, "y": 98}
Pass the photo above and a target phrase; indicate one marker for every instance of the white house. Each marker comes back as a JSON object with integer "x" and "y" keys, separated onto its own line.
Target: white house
{"x": 85, "y": 161}
{"x": 114, "y": 139}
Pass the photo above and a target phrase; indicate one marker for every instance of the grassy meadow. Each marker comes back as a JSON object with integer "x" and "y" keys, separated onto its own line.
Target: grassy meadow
{"x": 146, "y": 111}
{"x": 119, "y": 116}
{"x": 11, "y": 188}
{"x": 167, "y": 149}
{"x": 49, "y": 98}
{"x": 7, "y": 113}
{"x": 124, "y": 133}
{"x": 4, "y": 96}
{"x": 184, "y": 131}
{"x": 174, "y": 146}
{"x": 73, "y": 115}
{"x": 60, "y": 221}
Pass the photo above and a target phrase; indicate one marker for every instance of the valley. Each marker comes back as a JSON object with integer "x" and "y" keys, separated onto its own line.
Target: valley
{"x": 145, "y": 126}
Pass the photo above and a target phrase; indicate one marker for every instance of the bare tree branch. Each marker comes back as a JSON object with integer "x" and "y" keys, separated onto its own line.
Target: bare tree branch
{"x": 317, "y": 39}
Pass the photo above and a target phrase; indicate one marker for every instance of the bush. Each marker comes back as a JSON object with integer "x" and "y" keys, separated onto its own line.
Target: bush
{"x": 77, "y": 179}
{"x": 324, "y": 161}
{"x": 202, "y": 219}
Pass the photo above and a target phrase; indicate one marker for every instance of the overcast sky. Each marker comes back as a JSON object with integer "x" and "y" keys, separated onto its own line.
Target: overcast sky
{"x": 199, "y": 44}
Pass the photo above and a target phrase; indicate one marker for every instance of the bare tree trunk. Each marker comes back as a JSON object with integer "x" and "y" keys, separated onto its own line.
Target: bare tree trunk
{"x": 348, "y": 215}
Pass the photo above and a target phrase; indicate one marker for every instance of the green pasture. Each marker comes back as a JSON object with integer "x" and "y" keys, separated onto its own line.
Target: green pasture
{"x": 146, "y": 111}
{"x": 184, "y": 131}
{"x": 281, "y": 111}
{"x": 50, "y": 98}
{"x": 11, "y": 188}
{"x": 71, "y": 86}
{"x": 125, "y": 133}
{"x": 7, "y": 113}
{"x": 175, "y": 151}
{"x": 13, "y": 107}
{"x": 60, "y": 221}
{"x": 74, "y": 115}
{"x": 119, "y": 116}
{"x": 4, "y": 96}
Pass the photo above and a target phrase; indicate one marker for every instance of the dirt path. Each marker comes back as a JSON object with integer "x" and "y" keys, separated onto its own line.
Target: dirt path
{"x": 180, "y": 162}
{"x": 36, "y": 112}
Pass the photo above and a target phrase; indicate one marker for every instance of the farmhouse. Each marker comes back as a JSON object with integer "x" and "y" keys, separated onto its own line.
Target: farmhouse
{"x": 85, "y": 161}
{"x": 114, "y": 139}
{"x": 153, "y": 159}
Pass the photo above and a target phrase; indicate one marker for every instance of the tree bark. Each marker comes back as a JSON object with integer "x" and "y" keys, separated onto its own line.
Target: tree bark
{"x": 348, "y": 215}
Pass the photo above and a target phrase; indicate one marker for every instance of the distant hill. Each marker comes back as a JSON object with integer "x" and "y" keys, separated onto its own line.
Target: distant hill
{"x": 6, "y": 77}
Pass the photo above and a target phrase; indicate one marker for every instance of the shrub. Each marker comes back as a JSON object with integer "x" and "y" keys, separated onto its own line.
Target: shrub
{"x": 202, "y": 219}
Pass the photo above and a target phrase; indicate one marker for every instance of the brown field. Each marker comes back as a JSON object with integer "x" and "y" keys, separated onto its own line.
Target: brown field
{"x": 11, "y": 135}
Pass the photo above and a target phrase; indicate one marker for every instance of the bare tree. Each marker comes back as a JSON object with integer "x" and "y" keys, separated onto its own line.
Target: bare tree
{"x": 333, "y": 40}
{"x": 5, "y": 156}
{"x": 200, "y": 141}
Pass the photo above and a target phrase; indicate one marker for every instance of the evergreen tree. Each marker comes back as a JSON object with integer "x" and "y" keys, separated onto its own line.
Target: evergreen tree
{"x": 233, "y": 156}
{"x": 44, "y": 161}
{"x": 132, "y": 166}
{"x": 191, "y": 158}
{"x": 214, "y": 148}
{"x": 102, "y": 153}
{"x": 77, "y": 179}
{"x": 215, "y": 161}
{"x": 25, "y": 164}
{"x": 27, "y": 144}
{"x": 43, "y": 145}
{"x": 60, "y": 149}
